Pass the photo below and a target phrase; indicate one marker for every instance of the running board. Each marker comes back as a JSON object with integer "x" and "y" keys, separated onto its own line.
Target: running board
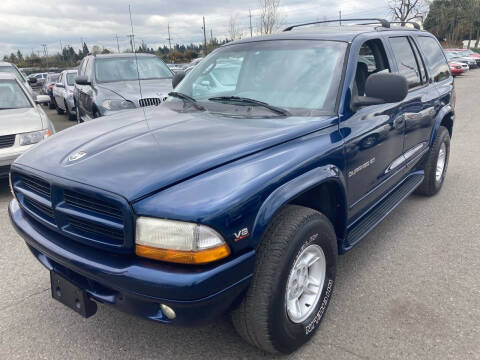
{"x": 362, "y": 227}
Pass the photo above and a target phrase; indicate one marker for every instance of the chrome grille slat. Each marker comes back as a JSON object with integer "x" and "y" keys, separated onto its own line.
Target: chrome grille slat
{"x": 149, "y": 102}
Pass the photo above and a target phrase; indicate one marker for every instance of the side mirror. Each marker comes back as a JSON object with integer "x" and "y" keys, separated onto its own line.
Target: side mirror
{"x": 59, "y": 85}
{"x": 42, "y": 99}
{"x": 177, "y": 78}
{"x": 382, "y": 88}
{"x": 82, "y": 80}
{"x": 32, "y": 80}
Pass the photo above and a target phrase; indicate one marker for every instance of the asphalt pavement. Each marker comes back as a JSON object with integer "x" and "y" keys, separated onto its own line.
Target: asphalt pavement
{"x": 409, "y": 290}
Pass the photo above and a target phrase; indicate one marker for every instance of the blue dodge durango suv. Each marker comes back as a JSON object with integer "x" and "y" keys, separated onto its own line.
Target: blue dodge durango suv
{"x": 267, "y": 160}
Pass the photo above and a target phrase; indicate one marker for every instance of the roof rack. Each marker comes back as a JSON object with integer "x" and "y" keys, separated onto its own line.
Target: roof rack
{"x": 383, "y": 22}
{"x": 415, "y": 25}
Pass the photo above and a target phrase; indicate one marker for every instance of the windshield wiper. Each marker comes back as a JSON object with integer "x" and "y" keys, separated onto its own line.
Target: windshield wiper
{"x": 186, "y": 98}
{"x": 248, "y": 101}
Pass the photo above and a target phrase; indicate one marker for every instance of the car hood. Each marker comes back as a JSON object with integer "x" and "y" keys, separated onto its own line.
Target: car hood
{"x": 17, "y": 121}
{"x": 133, "y": 154}
{"x": 130, "y": 90}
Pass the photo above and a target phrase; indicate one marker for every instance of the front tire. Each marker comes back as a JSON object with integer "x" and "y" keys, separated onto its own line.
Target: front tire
{"x": 296, "y": 261}
{"x": 436, "y": 164}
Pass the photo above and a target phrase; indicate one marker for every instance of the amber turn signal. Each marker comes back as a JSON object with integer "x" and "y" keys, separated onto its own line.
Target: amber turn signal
{"x": 184, "y": 257}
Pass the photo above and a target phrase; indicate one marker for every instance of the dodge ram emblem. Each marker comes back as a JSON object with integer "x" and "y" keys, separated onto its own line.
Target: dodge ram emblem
{"x": 76, "y": 156}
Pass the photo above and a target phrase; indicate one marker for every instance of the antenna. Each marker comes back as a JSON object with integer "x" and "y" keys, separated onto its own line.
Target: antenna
{"x": 135, "y": 52}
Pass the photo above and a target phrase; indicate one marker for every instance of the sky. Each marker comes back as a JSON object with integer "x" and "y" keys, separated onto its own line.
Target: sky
{"x": 27, "y": 24}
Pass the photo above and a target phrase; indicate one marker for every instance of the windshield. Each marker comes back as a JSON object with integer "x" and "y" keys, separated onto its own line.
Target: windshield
{"x": 12, "y": 96}
{"x": 125, "y": 68}
{"x": 52, "y": 77}
{"x": 71, "y": 78}
{"x": 293, "y": 74}
{"x": 12, "y": 70}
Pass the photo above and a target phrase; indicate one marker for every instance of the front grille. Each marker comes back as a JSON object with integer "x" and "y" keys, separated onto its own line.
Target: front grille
{"x": 7, "y": 141}
{"x": 36, "y": 185}
{"x": 93, "y": 218}
{"x": 111, "y": 235}
{"x": 91, "y": 204}
{"x": 149, "y": 102}
{"x": 42, "y": 210}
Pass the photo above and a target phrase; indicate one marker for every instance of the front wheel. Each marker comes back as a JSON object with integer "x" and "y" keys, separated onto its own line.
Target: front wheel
{"x": 293, "y": 281}
{"x": 436, "y": 164}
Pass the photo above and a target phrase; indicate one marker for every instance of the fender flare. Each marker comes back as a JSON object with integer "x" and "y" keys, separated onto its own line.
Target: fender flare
{"x": 291, "y": 189}
{"x": 444, "y": 111}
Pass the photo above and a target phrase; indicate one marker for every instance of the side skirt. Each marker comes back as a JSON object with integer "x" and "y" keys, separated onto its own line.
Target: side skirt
{"x": 358, "y": 230}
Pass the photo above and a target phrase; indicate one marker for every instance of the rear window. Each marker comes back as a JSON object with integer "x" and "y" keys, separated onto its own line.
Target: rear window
{"x": 435, "y": 59}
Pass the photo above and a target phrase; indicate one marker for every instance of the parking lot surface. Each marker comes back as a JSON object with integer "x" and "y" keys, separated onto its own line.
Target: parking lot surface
{"x": 409, "y": 290}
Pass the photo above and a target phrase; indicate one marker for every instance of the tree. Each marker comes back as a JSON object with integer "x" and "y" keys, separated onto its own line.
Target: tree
{"x": 269, "y": 16}
{"x": 85, "y": 50}
{"x": 453, "y": 21}
{"x": 408, "y": 10}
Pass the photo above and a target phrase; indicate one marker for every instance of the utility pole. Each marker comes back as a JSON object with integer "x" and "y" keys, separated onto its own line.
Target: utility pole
{"x": 169, "y": 38}
{"x": 131, "y": 41}
{"x": 118, "y": 45}
{"x": 340, "y": 16}
{"x": 250, "y": 16}
{"x": 204, "y": 37}
{"x": 45, "y": 53}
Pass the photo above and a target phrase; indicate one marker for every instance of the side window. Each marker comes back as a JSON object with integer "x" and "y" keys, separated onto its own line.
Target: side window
{"x": 371, "y": 59}
{"x": 59, "y": 80}
{"x": 420, "y": 62}
{"x": 407, "y": 64}
{"x": 435, "y": 58}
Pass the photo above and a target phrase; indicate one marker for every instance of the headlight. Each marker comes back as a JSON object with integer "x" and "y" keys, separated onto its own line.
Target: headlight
{"x": 34, "y": 137}
{"x": 178, "y": 242}
{"x": 118, "y": 104}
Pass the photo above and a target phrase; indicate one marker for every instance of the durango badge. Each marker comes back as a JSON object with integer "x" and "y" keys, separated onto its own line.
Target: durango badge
{"x": 76, "y": 156}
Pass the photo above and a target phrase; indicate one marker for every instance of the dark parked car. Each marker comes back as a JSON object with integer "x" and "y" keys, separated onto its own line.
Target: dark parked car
{"x": 47, "y": 87}
{"x": 109, "y": 83}
{"x": 271, "y": 157}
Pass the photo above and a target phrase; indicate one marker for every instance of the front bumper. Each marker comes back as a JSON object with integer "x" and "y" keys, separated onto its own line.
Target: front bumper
{"x": 8, "y": 155}
{"x": 136, "y": 285}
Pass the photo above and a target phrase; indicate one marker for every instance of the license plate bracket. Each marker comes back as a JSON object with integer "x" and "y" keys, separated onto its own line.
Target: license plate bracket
{"x": 71, "y": 295}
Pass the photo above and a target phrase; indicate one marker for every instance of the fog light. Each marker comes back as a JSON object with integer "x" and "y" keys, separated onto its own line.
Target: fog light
{"x": 168, "y": 311}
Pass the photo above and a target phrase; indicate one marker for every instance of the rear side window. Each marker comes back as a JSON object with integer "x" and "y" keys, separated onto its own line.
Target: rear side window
{"x": 436, "y": 60}
{"x": 407, "y": 64}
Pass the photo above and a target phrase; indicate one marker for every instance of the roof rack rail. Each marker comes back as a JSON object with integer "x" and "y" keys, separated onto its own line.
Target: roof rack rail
{"x": 415, "y": 25}
{"x": 383, "y": 22}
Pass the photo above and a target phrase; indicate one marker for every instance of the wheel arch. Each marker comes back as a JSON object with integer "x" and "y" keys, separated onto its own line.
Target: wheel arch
{"x": 309, "y": 190}
{"x": 445, "y": 117}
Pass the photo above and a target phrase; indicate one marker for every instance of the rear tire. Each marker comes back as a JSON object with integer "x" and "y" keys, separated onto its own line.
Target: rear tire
{"x": 71, "y": 116}
{"x": 59, "y": 111}
{"x": 435, "y": 172}
{"x": 265, "y": 317}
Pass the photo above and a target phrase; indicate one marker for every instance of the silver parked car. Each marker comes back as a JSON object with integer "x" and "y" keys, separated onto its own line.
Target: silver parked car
{"x": 114, "y": 82}
{"x": 63, "y": 93}
{"x": 23, "y": 123}
{"x": 12, "y": 69}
